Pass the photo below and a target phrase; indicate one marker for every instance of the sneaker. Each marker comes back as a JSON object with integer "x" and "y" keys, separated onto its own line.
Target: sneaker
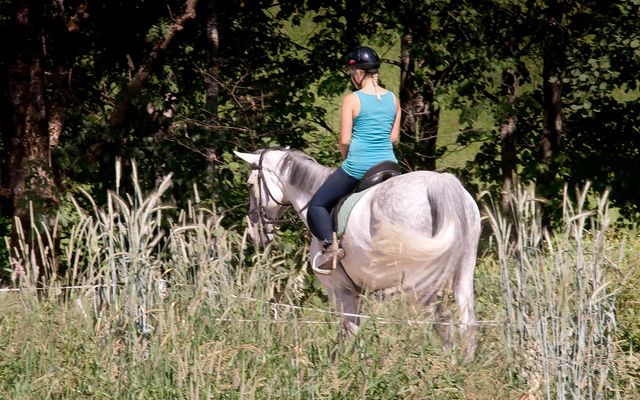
{"x": 325, "y": 262}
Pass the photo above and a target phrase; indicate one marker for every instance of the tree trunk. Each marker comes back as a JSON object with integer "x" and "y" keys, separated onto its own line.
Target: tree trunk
{"x": 408, "y": 121}
{"x": 554, "y": 63}
{"x": 428, "y": 134}
{"x": 508, "y": 136}
{"x": 212, "y": 80}
{"x": 552, "y": 74}
{"x": 31, "y": 180}
{"x": 419, "y": 120}
{"x": 552, "y": 130}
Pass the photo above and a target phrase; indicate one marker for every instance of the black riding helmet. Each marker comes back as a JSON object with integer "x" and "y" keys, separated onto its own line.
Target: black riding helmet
{"x": 365, "y": 58}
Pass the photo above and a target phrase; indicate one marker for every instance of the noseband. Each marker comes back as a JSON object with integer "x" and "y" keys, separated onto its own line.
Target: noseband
{"x": 259, "y": 215}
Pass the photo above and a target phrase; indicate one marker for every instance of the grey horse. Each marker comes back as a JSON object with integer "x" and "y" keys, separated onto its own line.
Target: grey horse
{"x": 414, "y": 233}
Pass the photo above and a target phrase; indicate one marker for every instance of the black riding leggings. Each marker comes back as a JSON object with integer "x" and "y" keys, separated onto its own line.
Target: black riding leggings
{"x": 338, "y": 184}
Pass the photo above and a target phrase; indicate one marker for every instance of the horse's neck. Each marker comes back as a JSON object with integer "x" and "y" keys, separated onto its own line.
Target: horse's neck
{"x": 300, "y": 196}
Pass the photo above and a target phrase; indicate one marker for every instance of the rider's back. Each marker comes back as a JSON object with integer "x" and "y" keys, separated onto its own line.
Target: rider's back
{"x": 370, "y": 140}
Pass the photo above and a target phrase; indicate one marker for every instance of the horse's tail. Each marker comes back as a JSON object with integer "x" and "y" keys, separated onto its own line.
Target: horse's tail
{"x": 436, "y": 250}
{"x": 406, "y": 243}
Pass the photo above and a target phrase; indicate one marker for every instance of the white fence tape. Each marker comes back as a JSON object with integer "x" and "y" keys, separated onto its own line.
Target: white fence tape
{"x": 280, "y": 305}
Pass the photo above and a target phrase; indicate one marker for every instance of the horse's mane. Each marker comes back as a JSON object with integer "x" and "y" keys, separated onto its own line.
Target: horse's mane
{"x": 304, "y": 171}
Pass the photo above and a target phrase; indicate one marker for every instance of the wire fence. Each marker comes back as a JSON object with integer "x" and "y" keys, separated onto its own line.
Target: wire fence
{"x": 275, "y": 306}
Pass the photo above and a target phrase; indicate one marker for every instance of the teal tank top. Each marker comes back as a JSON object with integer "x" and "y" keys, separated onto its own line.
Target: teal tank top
{"x": 371, "y": 134}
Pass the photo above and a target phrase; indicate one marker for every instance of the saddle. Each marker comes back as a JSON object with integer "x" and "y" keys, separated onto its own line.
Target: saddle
{"x": 375, "y": 175}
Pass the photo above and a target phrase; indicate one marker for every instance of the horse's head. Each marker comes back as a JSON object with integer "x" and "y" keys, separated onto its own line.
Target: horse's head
{"x": 267, "y": 199}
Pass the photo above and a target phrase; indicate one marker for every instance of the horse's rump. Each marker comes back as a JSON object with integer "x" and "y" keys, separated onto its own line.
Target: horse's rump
{"x": 420, "y": 228}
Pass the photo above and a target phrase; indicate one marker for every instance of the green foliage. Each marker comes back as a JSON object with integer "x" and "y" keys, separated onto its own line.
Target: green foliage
{"x": 593, "y": 69}
{"x": 603, "y": 150}
{"x": 278, "y": 76}
{"x": 264, "y": 98}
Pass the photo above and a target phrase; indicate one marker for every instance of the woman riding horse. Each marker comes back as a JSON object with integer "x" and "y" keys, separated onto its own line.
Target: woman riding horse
{"x": 370, "y": 125}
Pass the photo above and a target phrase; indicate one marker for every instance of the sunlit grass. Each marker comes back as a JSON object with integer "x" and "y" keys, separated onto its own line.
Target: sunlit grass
{"x": 561, "y": 291}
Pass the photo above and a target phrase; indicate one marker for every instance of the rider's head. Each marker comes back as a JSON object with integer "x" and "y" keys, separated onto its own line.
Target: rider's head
{"x": 362, "y": 61}
{"x": 364, "y": 58}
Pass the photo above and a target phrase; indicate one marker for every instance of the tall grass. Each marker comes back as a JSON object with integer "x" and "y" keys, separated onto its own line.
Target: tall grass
{"x": 560, "y": 302}
{"x": 167, "y": 303}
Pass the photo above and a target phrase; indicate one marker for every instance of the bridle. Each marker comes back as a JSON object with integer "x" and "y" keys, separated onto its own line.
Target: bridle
{"x": 259, "y": 215}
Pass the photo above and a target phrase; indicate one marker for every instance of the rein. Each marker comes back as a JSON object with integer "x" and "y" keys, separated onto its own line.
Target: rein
{"x": 260, "y": 215}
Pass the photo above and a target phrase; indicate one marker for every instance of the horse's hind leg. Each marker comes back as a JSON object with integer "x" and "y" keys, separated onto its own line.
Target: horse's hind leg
{"x": 436, "y": 307}
{"x": 463, "y": 293}
{"x": 442, "y": 321}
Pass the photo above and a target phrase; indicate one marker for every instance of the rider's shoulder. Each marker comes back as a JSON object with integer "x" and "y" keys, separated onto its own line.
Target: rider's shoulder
{"x": 350, "y": 98}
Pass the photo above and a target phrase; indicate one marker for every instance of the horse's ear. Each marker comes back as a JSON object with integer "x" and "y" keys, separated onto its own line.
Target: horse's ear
{"x": 248, "y": 157}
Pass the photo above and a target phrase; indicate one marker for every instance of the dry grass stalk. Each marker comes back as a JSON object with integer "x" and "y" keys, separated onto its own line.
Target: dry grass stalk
{"x": 560, "y": 308}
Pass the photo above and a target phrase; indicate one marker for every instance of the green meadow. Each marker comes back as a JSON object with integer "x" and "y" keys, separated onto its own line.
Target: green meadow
{"x": 168, "y": 304}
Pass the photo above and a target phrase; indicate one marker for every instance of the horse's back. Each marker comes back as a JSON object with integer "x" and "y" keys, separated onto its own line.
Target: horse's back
{"x": 416, "y": 198}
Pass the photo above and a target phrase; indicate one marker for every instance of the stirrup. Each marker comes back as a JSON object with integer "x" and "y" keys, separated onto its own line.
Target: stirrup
{"x": 331, "y": 256}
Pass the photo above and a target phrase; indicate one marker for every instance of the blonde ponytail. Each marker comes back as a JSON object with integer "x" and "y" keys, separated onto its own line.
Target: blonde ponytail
{"x": 374, "y": 78}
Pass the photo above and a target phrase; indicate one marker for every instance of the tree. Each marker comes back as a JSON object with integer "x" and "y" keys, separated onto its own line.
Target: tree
{"x": 206, "y": 77}
{"x": 603, "y": 120}
{"x": 570, "y": 95}
{"x": 435, "y": 56}
{"x": 37, "y": 96}
{"x": 31, "y": 185}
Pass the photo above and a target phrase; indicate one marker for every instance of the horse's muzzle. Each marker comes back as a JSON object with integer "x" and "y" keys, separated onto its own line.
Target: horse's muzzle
{"x": 261, "y": 235}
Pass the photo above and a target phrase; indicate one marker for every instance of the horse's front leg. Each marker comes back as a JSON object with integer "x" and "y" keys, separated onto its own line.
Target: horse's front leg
{"x": 343, "y": 295}
{"x": 346, "y": 302}
{"x": 344, "y": 298}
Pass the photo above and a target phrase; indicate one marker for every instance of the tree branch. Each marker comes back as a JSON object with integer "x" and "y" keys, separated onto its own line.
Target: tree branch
{"x": 119, "y": 116}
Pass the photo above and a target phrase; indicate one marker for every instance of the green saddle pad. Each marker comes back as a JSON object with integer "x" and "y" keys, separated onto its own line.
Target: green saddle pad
{"x": 344, "y": 210}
